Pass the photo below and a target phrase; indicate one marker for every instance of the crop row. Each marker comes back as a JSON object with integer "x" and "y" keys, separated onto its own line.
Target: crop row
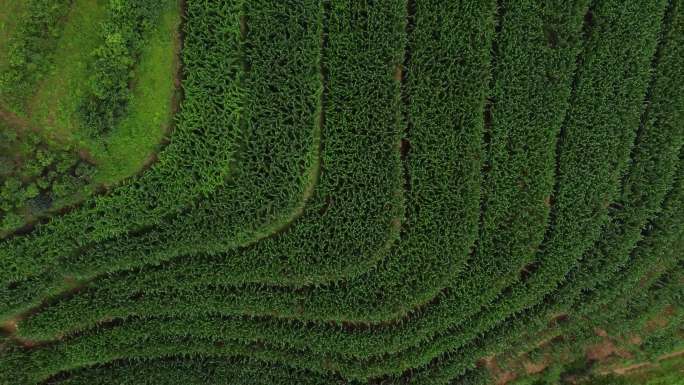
{"x": 238, "y": 296}
{"x": 653, "y": 165}
{"x": 410, "y": 298}
{"x": 426, "y": 140}
{"x": 211, "y": 106}
{"x": 268, "y": 186}
{"x": 193, "y": 372}
{"x": 175, "y": 179}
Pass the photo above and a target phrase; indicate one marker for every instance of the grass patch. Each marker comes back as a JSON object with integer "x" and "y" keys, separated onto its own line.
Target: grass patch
{"x": 53, "y": 106}
{"x": 137, "y": 137}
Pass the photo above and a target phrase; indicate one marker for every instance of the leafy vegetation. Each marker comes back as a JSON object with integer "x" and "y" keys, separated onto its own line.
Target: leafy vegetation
{"x": 381, "y": 192}
{"x": 37, "y": 176}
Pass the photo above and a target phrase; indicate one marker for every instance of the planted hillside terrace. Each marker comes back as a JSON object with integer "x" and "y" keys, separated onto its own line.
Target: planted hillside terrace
{"x": 378, "y": 192}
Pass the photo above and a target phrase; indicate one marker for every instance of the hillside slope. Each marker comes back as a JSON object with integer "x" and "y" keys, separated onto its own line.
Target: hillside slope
{"x": 351, "y": 192}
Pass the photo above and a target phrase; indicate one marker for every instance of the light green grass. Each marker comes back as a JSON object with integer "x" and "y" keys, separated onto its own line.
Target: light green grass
{"x": 138, "y": 135}
{"x": 53, "y": 108}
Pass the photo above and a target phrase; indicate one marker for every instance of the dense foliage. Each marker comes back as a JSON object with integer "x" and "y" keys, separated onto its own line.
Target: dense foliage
{"x": 379, "y": 192}
{"x": 35, "y": 176}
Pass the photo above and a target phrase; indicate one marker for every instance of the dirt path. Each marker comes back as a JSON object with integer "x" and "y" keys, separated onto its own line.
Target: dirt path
{"x": 14, "y": 121}
{"x": 622, "y": 370}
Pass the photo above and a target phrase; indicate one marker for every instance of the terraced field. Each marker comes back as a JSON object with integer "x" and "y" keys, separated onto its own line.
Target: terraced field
{"x": 340, "y": 192}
